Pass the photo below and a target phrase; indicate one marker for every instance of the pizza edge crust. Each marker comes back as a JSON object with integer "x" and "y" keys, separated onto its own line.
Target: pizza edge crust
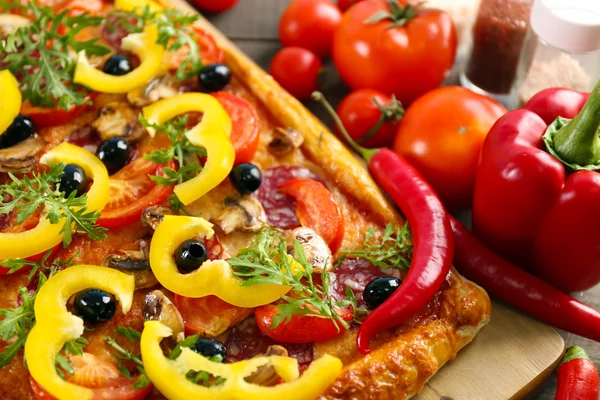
{"x": 437, "y": 341}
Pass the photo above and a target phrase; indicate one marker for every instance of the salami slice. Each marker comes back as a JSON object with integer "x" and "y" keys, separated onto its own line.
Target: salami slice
{"x": 281, "y": 208}
{"x": 247, "y": 341}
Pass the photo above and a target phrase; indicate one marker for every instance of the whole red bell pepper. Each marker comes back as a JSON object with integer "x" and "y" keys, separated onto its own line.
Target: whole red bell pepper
{"x": 537, "y": 189}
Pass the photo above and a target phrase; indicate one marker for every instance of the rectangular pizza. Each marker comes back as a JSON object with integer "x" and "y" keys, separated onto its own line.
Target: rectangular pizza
{"x": 174, "y": 225}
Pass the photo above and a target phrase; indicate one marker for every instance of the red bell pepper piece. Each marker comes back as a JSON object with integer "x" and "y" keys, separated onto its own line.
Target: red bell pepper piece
{"x": 577, "y": 376}
{"x": 431, "y": 234}
{"x": 529, "y": 206}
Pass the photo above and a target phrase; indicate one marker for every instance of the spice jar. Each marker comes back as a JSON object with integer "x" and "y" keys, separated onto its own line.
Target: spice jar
{"x": 498, "y": 36}
{"x": 562, "y": 48}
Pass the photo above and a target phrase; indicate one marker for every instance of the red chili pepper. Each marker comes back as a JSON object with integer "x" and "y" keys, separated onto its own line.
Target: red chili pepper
{"x": 431, "y": 235}
{"x": 529, "y": 206}
{"x": 519, "y": 288}
{"x": 577, "y": 376}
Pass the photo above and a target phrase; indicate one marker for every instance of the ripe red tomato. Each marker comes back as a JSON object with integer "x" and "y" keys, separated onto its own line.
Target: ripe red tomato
{"x": 245, "y": 133}
{"x": 103, "y": 378}
{"x": 131, "y": 192}
{"x": 310, "y": 24}
{"x": 317, "y": 209}
{"x": 215, "y": 6}
{"x": 441, "y": 135}
{"x": 346, "y": 4}
{"x": 297, "y": 70}
{"x": 359, "y": 114}
{"x": 210, "y": 52}
{"x": 300, "y": 328}
{"x": 406, "y": 60}
{"x": 52, "y": 116}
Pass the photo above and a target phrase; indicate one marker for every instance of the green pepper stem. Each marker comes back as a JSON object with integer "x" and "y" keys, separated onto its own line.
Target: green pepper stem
{"x": 573, "y": 353}
{"x": 365, "y": 153}
{"x": 578, "y": 142}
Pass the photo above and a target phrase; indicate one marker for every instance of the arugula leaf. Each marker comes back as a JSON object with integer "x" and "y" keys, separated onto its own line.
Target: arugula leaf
{"x": 16, "y": 322}
{"x": 205, "y": 378}
{"x": 266, "y": 261}
{"x": 41, "y": 54}
{"x": 29, "y": 194}
{"x": 392, "y": 250}
{"x": 124, "y": 355}
{"x": 16, "y": 264}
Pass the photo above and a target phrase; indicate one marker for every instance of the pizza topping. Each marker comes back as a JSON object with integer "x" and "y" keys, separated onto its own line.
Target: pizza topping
{"x": 117, "y": 65}
{"x": 21, "y": 158}
{"x": 280, "y": 207}
{"x": 163, "y": 87}
{"x": 212, "y": 133}
{"x": 213, "y": 277}
{"x": 244, "y": 214}
{"x": 210, "y": 348}
{"x": 133, "y": 262}
{"x": 153, "y": 216}
{"x": 266, "y": 375}
{"x": 158, "y": 307}
{"x": 118, "y": 120}
{"x": 285, "y": 140}
{"x": 214, "y": 77}
{"x": 169, "y": 376}
{"x": 9, "y": 23}
{"x": 114, "y": 153}
{"x": 73, "y": 179}
{"x": 55, "y": 326}
{"x": 10, "y": 103}
{"x": 316, "y": 250}
{"x": 245, "y": 178}
{"x": 60, "y": 214}
{"x": 379, "y": 290}
{"x": 190, "y": 255}
{"x": 95, "y": 305}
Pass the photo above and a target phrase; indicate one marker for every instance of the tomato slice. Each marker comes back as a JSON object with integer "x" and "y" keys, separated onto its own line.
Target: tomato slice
{"x": 209, "y": 51}
{"x": 317, "y": 209}
{"x": 209, "y": 316}
{"x": 300, "y": 328}
{"x": 79, "y": 7}
{"x": 52, "y": 116}
{"x": 103, "y": 378}
{"x": 131, "y": 192}
{"x": 245, "y": 132}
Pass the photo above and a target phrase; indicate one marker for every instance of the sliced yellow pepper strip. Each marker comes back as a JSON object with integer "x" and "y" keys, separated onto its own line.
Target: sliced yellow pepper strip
{"x": 144, "y": 46}
{"x": 10, "y": 100}
{"x": 169, "y": 376}
{"x": 212, "y": 133}
{"x": 47, "y": 235}
{"x": 132, "y": 5}
{"x": 212, "y": 278}
{"x": 55, "y": 325}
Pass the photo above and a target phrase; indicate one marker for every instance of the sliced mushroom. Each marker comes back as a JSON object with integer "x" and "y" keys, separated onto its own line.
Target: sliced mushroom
{"x": 158, "y": 307}
{"x": 317, "y": 251}
{"x": 163, "y": 87}
{"x": 285, "y": 140}
{"x": 9, "y": 23}
{"x": 244, "y": 213}
{"x": 118, "y": 119}
{"x": 133, "y": 262}
{"x": 20, "y": 158}
{"x": 265, "y": 375}
{"x": 153, "y": 216}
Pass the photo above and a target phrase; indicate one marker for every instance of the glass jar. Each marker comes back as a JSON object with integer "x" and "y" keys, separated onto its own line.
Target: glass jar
{"x": 562, "y": 48}
{"x": 498, "y": 36}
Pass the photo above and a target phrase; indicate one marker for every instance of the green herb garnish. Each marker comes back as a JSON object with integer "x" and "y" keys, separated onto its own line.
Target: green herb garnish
{"x": 124, "y": 355}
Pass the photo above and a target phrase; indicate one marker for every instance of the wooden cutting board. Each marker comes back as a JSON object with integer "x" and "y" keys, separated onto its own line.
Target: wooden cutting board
{"x": 509, "y": 358}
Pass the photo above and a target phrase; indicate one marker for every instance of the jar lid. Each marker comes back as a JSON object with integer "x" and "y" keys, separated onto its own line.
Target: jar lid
{"x": 572, "y": 26}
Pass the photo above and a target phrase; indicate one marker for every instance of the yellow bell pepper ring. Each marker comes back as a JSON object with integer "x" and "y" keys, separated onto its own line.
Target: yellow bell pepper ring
{"x": 144, "y": 46}
{"x": 10, "y": 100}
{"x": 212, "y": 133}
{"x": 169, "y": 375}
{"x": 132, "y": 5}
{"x": 55, "y": 325}
{"x": 47, "y": 235}
{"x": 212, "y": 278}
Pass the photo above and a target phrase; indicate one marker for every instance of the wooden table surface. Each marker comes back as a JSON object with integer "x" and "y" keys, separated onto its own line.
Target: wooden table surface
{"x": 252, "y": 25}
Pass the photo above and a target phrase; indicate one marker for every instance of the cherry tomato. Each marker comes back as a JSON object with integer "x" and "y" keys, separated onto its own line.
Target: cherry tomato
{"x": 103, "y": 378}
{"x": 317, "y": 209}
{"x": 310, "y": 24}
{"x": 52, "y": 116}
{"x": 300, "y": 328}
{"x": 359, "y": 114}
{"x": 245, "y": 134}
{"x": 441, "y": 135}
{"x": 406, "y": 60}
{"x": 209, "y": 316}
{"x": 131, "y": 192}
{"x": 215, "y": 6}
{"x": 79, "y": 7}
{"x": 346, "y": 4}
{"x": 209, "y": 51}
{"x": 297, "y": 70}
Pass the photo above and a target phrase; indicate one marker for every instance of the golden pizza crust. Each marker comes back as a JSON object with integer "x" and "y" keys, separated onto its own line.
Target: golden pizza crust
{"x": 401, "y": 362}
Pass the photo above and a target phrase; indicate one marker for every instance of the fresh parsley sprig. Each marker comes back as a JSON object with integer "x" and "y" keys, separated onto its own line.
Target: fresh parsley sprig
{"x": 28, "y": 195}
{"x": 174, "y": 32}
{"x": 392, "y": 250}
{"x": 266, "y": 261}
{"x": 124, "y": 355}
{"x": 42, "y": 54}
